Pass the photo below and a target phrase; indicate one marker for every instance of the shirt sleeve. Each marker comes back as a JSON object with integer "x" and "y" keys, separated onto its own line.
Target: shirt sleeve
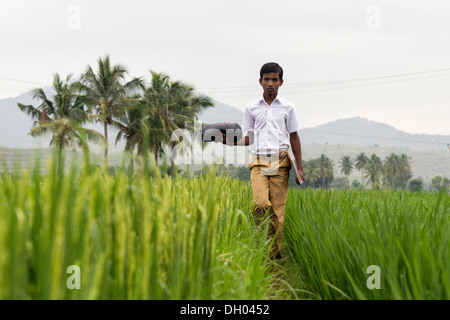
{"x": 293, "y": 124}
{"x": 248, "y": 124}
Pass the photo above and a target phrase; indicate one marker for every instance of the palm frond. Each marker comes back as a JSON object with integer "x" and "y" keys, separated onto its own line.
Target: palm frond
{"x": 30, "y": 110}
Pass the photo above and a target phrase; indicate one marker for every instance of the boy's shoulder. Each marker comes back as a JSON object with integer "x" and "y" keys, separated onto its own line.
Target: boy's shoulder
{"x": 255, "y": 102}
{"x": 284, "y": 102}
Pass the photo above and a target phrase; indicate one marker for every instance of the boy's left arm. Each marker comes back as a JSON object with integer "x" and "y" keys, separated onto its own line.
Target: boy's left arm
{"x": 297, "y": 150}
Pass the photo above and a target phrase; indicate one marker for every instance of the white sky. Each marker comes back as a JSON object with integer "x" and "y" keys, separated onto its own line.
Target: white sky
{"x": 219, "y": 46}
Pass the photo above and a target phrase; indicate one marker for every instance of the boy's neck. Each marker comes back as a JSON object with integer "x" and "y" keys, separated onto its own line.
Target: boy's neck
{"x": 269, "y": 98}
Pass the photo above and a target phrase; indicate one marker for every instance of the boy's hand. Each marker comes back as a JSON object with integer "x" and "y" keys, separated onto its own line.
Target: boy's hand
{"x": 226, "y": 141}
{"x": 300, "y": 173}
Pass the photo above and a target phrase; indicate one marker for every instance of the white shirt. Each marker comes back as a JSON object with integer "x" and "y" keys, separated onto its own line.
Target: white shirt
{"x": 271, "y": 124}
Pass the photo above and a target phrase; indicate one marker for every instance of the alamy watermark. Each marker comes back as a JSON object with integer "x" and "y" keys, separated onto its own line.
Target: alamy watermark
{"x": 74, "y": 280}
{"x": 210, "y": 146}
{"x": 74, "y": 18}
{"x": 374, "y": 281}
{"x": 373, "y": 21}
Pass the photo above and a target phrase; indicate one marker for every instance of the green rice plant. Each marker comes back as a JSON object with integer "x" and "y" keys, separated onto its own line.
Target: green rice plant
{"x": 335, "y": 236}
{"x": 243, "y": 263}
{"x": 129, "y": 236}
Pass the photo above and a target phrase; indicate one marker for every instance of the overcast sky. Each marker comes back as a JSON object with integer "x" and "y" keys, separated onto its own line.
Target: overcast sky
{"x": 219, "y": 47}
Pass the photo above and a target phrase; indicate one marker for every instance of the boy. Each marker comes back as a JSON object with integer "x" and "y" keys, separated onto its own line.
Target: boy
{"x": 271, "y": 124}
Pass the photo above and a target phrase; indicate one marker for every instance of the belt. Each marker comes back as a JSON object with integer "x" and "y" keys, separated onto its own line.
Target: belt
{"x": 280, "y": 154}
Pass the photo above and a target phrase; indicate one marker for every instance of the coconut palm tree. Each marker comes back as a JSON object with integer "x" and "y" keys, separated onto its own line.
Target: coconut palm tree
{"x": 61, "y": 114}
{"x": 129, "y": 123}
{"x": 104, "y": 90}
{"x": 346, "y": 165}
{"x": 173, "y": 105}
{"x": 325, "y": 168}
{"x": 312, "y": 174}
{"x": 374, "y": 169}
{"x": 65, "y": 102}
{"x": 405, "y": 169}
{"x": 391, "y": 169}
{"x": 397, "y": 170}
{"x": 157, "y": 97}
{"x": 185, "y": 113}
{"x": 65, "y": 132}
{"x": 361, "y": 162}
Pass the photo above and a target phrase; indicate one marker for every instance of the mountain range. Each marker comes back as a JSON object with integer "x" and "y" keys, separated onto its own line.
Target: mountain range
{"x": 357, "y": 131}
{"x": 363, "y": 132}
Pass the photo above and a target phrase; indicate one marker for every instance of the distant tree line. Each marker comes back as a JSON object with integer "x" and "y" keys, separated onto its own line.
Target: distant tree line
{"x": 145, "y": 116}
{"x": 394, "y": 172}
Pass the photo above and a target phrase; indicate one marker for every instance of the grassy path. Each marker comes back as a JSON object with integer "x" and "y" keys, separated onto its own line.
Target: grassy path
{"x": 287, "y": 282}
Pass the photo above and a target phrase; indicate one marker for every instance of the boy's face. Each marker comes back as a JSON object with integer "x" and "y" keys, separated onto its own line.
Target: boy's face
{"x": 270, "y": 83}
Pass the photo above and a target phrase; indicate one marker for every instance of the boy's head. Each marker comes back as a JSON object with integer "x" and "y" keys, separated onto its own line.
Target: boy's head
{"x": 271, "y": 67}
{"x": 271, "y": 79}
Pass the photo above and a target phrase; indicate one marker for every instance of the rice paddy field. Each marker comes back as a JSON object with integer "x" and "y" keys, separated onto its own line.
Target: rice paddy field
{"x": 91, "y": 234}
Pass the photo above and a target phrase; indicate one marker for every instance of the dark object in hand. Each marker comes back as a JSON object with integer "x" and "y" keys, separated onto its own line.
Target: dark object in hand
{"x": 220, "y": 132}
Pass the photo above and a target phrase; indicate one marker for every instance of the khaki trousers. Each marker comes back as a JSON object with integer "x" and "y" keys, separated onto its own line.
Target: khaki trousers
{"x": 270, "y": 182}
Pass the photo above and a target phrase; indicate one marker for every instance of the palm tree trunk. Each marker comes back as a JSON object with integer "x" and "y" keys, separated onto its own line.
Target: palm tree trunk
{"x": 171, "y": 168}
{"x": 106, "y": 146}
{"x": 362, "y": 177}
{"x": 60, "y": 160}
{"x": 131, "y": 168}
{"x": 43, "y": 115}
{"x": 166, "y": 119}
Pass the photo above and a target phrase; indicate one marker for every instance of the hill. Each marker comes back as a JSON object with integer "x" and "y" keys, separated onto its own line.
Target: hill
{"x": 221, "y": 112}
{"x": 15, "y": 124}
{"x": 363, "y": 132}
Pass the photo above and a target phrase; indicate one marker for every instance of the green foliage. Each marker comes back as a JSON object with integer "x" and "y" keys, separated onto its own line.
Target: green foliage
{"x": 318, "y": 172}
{"x": 361, "y": 161}
{"x": 61, "y": 115}
{"x": 168, "y": 107}
{"x": 146, "y": 117}
{"x": 147, "y": 235}
{"x": 346, "y": 165}
{"x": 440, "y": 183}
{"x": 397, "y": 171}
{"x": 334, "y": 236}
{"x": 141, "y": 236}
{"x": 416, "y": 184}
{"x": 104, "y": 92}
{"x": 356, "y": 184}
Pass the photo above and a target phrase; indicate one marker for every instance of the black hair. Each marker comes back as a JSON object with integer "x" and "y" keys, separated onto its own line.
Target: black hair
{"x": 271, "y": 67}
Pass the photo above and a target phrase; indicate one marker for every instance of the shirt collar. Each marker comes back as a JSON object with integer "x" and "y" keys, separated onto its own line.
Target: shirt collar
{"x": 277, "y": 99}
